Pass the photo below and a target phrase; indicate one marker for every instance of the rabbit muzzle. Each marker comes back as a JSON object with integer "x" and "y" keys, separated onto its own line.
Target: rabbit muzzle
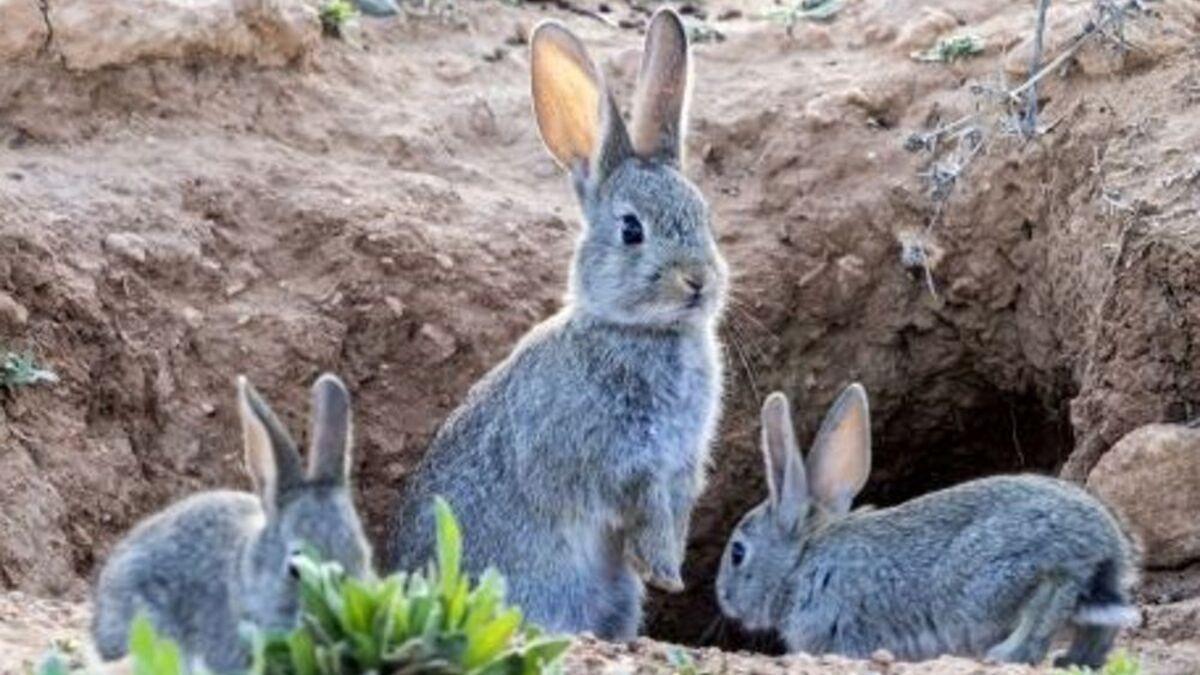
{"x": 691, "y": 287}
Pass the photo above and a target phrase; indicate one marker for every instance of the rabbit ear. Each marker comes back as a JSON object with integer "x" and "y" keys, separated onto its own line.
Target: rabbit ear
{"x": 329, "y": 456}
{"x": 660, "y": 102}
{"x": 271, "y": 454}
{"x": 576, "y": 116}
{"x": 785, "y": 471}
{"x": 840, "y": 460}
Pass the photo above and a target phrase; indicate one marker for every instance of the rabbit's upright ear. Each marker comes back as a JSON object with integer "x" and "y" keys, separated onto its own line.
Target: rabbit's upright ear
{"x": 271, "y": 455}
{"x": 576, "y": 116}
{"x": 840, "y": 460}
{"x": 660, "y": 101}
{"x": 329, "y": 456}
{"x": 785, "y": 472}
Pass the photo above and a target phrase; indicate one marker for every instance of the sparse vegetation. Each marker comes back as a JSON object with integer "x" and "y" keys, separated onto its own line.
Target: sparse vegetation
{"x": 1119, "y": 663}
{"x": 804, "y": 10}
{"x": 21, "y": 370}
{"x": 951, "y": 49}
{"x": 335, "y": 14}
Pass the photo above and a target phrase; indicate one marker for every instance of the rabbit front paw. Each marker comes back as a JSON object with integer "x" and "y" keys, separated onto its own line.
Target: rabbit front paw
{"x": 657, "y": 565}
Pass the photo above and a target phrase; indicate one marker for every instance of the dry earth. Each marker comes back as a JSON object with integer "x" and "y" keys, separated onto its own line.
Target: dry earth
{"x": 265, "y": 202}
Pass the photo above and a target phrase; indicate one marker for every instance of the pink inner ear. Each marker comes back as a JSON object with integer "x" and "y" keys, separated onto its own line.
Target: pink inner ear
{"x": 566, "y": 95}
{"x": 661, "y": 90}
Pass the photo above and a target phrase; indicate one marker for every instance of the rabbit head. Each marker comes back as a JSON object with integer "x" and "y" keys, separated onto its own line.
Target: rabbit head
{"x": 306, "y": 510}
{"x": 767, "y": 543}
{"x": 647, "y": 256}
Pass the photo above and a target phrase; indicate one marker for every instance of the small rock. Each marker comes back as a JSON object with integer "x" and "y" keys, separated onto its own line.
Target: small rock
{"x": 923, "y": 31}
{"x": 1152, "y": 478}
{"x": 208, "y": 409}
{"x": 23, "y": 29}
{"x": 127, "y": 245}
{"x": 235, "y": 288}
{"x": 192, "y": 317}
{"x": 93, "y": 34}
{"x": 444, "y": 261}
{"x": 378, "y": 7}
{"x": 395, "y": 306}
{"x": 12, "y": 313}
{"x": 443, "y": 342}
{"x": 883, "y": 657}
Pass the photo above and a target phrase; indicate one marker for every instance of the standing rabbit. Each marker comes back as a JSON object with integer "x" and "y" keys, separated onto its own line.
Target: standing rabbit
{"x": 991, "y": 567}
{"x": 575, "y": 463}
{"x": 215, "y": 559}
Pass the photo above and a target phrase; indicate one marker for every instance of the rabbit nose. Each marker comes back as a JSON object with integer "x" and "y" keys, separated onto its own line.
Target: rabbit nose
{"x": 691, "y": 280}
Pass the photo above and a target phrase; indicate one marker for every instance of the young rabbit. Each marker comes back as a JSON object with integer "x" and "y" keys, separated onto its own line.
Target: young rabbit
{"x": 992, "y": 567}
{"x": 575, "y": 463}
{"x": 215, "y": 559}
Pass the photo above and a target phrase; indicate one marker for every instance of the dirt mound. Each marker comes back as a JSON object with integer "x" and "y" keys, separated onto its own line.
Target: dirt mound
{"x": 387, "y": 212}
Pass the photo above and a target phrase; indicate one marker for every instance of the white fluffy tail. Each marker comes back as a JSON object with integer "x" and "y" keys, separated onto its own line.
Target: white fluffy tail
{"x": 1118, "y": 616}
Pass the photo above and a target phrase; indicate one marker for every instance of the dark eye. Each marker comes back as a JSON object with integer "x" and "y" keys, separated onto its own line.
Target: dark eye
{"x": 631, "y": 230}
{"x": 737, "y": 553}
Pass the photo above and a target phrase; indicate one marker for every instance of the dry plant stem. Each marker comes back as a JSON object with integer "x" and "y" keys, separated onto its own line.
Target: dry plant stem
{"x": 1014, "y": 95}
{"x": 1029, "y": 123}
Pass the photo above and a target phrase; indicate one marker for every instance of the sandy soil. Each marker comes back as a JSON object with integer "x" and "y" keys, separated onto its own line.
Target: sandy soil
{"x": 387, "y": 212}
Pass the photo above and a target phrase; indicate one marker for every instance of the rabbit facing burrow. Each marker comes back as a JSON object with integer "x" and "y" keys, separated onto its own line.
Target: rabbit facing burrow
{"x": 575, "y": 463}
{"x": 992, "y": 567}
{"x": 211, "y": 561}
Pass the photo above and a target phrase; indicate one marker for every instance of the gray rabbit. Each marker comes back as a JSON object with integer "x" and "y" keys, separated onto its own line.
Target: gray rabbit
{"x": 992, "y": 567}
{"x": 575, "y": 463}
{"x": 215, "y": 559}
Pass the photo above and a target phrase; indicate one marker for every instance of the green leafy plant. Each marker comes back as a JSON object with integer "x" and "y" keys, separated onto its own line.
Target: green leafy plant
{"x": 1119, "y": 663}
{"x": 435, "y": 622}
{"x": 21, "y": 370}
{"x": 335, "y": 14}
{"x": 948, "y": 50}
{"x": 152, "y": 654}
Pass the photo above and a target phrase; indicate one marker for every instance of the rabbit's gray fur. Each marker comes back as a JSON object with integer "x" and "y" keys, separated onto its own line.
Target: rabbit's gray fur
{"x": 991, "y": 567}
{"x": 575, "y": 463}
{"x": 213, "y": 560}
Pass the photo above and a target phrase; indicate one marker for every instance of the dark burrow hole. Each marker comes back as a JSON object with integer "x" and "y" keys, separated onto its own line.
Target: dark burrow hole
{"x": 948, "y": 433}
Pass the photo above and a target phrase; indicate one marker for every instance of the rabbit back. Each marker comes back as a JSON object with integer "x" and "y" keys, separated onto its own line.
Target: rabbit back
{"x": 176, "y": 566}
{"x": 949, "y": 572}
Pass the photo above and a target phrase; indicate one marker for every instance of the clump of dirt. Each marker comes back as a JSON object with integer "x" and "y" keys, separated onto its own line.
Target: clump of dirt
{"x": 387, "y": 212}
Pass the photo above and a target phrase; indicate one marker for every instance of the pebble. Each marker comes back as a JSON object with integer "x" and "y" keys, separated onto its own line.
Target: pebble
{"x": 378, "y": 7}
{"x": 12, "y": 313}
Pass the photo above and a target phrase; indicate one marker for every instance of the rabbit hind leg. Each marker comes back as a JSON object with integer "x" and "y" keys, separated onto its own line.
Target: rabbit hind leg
{"x": 1048, "y": 608}
{"x": 1089, "y": 647}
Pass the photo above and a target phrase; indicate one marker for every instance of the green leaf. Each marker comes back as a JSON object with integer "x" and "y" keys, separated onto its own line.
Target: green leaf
{"x": 490, "y": 639}
{"x": 449, "y": 545}
{"x": 303, "y": 653}
{"x": 359, "y": 607}
{"x": 456, "y": 607}
{"x": 152, "y": 655}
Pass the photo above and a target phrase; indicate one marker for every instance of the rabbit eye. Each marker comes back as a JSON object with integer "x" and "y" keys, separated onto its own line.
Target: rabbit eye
{"x": 737, "y": 553}
{"x": 631, "y": 230}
